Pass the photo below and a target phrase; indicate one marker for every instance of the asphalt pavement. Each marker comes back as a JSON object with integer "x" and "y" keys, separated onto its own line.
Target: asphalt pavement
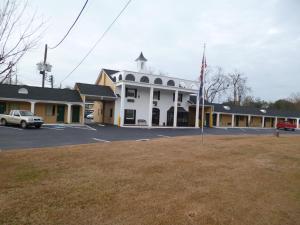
{"x": 12, "y": 137}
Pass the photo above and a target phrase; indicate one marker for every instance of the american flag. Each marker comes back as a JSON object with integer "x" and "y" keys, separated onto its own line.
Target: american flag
{"x": 203, "y": 67}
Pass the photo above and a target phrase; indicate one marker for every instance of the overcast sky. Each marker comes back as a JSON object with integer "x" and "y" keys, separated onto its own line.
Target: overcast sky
{"x": 259, "y": 38}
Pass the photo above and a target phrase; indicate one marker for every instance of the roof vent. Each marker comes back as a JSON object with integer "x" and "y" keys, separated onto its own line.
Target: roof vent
{"x": 226, "y": 107}
{"x": 263, "y": 111}
{"x": 23, "y": 91}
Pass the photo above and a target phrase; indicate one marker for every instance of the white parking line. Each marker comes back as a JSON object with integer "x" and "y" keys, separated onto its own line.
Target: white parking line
{"x": 142, "y": 139}
{"x": 50, "y": 128}
{"x": 84, "y": 128}
{"x": 160, "y": 135}
{"x": 101, "y": 140}
{"x": 15, "y": 128}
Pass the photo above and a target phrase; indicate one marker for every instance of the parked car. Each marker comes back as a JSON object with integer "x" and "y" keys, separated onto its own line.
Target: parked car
{"x": 90, "y": 116}
{"x": 23, "y": 118}
{"x": 88, "y": 112}
{"x": 286, "y": 126}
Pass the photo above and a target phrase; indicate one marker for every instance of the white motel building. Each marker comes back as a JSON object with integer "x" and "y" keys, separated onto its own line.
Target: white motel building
{"x": 136, "y": 99}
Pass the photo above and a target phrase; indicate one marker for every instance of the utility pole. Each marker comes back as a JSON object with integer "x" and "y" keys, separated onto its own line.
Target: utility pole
{"x": 51, "y": 80}
{"x": 44, "y": 67}
{"x": 44, "y": 71}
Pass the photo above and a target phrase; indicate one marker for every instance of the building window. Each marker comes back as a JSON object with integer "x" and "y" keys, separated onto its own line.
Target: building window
{"x": 171, "y": 83}
{"x": 13, "y": 106}
{"x": 120, "y": 77}
{"x": 157, "y": 81}
{"x": 156, "y": 95}
{"x": 144, "y": 79}
{"x": 111, "y": 113}
{"x": 179, "y": 97}
{"x": 50, "y": 110}
{"x": 130, "y": 92}
{"x": 130, "y": 77}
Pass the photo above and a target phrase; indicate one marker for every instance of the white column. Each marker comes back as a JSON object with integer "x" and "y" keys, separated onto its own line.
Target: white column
{"x": 218, "y": 119}
{"x": 232, "y": 120}
{"x": 32, "y": 106}
{"x": 82, "y": 115}
{"x": 175, "y": 109}
{"x": 275, "y": 123}
{"x": 297, "y": 125}
{"x": 263, "y": 122}
{"x": 249, "y": 120}
{"x": 69, "y": 113}
{"x": 122, "y": 105}
{"x": 83, "y": 109}
{"x": 197, "y": 111}
{"x": 150, "y": 107}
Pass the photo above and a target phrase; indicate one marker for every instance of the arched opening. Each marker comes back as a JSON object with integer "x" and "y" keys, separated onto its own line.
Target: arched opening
{"x": 171, "y": 83}
{"x": 158, "y": 81}
{"x": 144, "y": 79}
{"x": 120, "y": 77}
{"x": 130, "y": 77}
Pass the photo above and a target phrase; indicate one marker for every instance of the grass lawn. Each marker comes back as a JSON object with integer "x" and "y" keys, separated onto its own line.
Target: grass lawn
{"x": 244, "y": 180}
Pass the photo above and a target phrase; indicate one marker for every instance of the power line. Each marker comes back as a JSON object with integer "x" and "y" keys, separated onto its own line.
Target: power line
{"x": 100, "y": 39}
{"x": 71, "y": 26}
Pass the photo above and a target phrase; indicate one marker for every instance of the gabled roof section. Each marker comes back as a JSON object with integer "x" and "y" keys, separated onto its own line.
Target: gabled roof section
{"x": 38, "y": 93}
{"x": 108, "y": 72}
{"x": 141, "y": 58}
{"x": 95, "y": 90}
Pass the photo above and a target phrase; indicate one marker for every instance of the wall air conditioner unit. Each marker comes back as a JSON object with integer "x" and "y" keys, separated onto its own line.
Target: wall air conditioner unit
{"x": 130, "y": 100}
{"x": 154, "y": 103}
{"x": 178, "y": 104}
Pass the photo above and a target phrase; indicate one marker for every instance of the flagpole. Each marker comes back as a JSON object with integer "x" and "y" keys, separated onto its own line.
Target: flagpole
{"x": 203, "y": 93}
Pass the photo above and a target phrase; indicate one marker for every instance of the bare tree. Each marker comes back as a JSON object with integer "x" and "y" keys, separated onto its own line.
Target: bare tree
{"x": 18, "y": 34}
{"x": 238, "y": 84}
{"x": 216, "y": 83}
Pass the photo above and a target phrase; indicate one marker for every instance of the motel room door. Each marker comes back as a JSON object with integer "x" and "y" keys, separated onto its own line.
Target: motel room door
{"x": 75, "y": 113}
{"x": 155, "y": 116}
{"x": 60, "y": 113}
{"x": 2, "y": 107}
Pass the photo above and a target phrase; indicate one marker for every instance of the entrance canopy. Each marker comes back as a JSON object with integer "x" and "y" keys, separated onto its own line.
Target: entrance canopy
{"x": 93, "y": 92}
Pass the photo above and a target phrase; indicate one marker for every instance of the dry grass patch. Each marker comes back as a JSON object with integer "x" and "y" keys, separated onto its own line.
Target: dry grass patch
{"x": 240, "y": 180}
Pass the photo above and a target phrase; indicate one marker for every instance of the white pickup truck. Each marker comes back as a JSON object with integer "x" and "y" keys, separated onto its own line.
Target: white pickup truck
{"x": 23, "y": 118}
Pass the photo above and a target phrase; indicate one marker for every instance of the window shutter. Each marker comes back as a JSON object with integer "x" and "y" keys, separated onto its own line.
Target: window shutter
{"x": 173, "y": 97}
{"x": 158, "y": 95}
{"x": 126, "y": 90}
{"x": 135, "y": 95}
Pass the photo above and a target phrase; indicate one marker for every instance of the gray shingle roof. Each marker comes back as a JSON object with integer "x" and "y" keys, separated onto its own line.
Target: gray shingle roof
{"x": 95, "y": 90}
{"x": 254, "y": 111}
{"x": 110, "y": 72}
{"x": 39, "y": 93}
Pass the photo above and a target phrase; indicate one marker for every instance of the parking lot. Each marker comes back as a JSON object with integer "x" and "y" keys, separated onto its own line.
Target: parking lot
{"x": 12, "y": 137}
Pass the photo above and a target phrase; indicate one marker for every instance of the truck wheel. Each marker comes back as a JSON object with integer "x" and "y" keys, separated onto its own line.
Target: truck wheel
{"x": 38, "y": 126}
{"x": 3, "y": 122}
{"x": 23, "y": 124}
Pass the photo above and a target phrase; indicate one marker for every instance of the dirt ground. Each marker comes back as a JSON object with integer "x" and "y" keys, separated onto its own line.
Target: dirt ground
{"x": 229, "y": 180}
